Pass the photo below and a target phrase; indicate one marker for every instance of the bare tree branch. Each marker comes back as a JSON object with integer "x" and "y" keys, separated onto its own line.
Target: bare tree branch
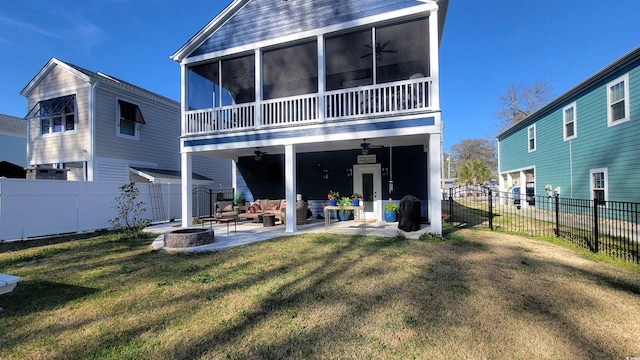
{"x": 519, "y": 101}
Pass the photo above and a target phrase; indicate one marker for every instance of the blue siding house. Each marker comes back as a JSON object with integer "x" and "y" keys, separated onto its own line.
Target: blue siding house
{"x": 585, "y": 144}
{"x": 308, "y": 96}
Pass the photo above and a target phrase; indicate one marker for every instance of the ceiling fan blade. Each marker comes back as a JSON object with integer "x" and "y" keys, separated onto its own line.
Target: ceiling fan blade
{"x": 364, "y": 56}
{"x": 390, "y": 51}
{"x": 386, "y": 43}
{"x": 368, "y": 47}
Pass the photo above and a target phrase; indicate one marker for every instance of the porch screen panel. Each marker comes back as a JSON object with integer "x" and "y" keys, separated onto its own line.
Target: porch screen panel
{"x": 290, "y": 71}
{"x": 349, "y": 60}
{"x": 204, "y": 91}
{"x": 238, "y": 79}
{"x": 402, "y": 51}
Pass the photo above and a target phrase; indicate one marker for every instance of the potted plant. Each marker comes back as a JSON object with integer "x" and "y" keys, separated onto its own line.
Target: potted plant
{"x": 237, "y": 198}
{"x": 355, "y": 199}
{"x": 343, "y": 215}
{"x": 390, "y": 211}
{"x": 333, "y": 197}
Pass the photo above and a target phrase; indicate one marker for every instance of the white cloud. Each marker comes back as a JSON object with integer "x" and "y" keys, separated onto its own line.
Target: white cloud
{"x": 28, "y": 27}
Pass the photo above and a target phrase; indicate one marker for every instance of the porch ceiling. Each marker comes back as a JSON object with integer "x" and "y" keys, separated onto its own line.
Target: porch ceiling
{"x": 351, "y": 144}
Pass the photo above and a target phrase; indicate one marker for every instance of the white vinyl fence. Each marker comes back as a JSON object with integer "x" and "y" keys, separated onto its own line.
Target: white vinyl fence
{"x": 31, "y": 208}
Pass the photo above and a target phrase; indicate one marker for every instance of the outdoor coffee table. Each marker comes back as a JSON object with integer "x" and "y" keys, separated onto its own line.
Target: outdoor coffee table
{"x": 221, "y": 220}
{"x": 328, "y": 209}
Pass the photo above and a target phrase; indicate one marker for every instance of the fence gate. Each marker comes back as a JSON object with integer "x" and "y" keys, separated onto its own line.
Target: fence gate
{"x": 157, "y": 201}
{"x": 204, "y": 199}
{"x": 202, "y": 203}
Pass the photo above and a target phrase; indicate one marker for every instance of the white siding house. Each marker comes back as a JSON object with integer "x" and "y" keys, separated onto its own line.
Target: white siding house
{"x": 100, "y": 128}
{"x": 308, "y": 96}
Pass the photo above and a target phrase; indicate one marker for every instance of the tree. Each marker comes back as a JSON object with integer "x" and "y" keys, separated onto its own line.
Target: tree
{"x": 466, "y": 150}
{"x": 521, "y": 101}
{"x": 474, "y": 171}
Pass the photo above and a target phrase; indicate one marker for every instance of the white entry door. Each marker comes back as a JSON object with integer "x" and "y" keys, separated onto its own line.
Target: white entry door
{"x": 367, "y": 181}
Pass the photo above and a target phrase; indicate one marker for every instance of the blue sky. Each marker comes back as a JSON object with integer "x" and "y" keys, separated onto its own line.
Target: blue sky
{"x": 487, "y": 46}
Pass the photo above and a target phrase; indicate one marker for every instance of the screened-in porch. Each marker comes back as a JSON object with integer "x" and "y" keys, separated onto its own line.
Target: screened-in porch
{"x": 366, "y": 72}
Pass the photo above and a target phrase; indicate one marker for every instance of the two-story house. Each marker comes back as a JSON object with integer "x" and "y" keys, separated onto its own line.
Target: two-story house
{"x": 94, "y": 127}
{"x": 308, "y": 96}
{"x": 584, "y": 144}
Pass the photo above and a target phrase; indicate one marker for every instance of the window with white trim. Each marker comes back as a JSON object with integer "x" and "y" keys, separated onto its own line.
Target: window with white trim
{"x": 570, "y": 118}
{"x": 57, "y": 115}
{"x": 618, "y": 100}
{"x": 531, "y": 136}
{"x": 129, "y": 120}
{"x": 599, "y": 185}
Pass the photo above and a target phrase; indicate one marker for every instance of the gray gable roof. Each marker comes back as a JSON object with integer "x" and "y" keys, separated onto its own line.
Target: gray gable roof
{"x": 249, "y": 21}
{"x": 97, "y": 77}
{"x": 113, "y": 81}
{"x": 13, "y": 126}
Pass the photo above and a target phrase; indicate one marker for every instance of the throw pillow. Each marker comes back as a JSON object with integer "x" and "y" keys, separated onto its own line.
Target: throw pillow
{"x": 228, "y": 208}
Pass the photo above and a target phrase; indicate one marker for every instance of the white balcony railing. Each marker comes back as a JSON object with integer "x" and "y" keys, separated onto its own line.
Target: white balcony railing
{"x": 389, "y": 99}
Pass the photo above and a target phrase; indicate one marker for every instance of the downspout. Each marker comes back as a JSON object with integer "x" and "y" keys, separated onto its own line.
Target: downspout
{"x": 28, "y": 137}
{"x": 90, "y": 170}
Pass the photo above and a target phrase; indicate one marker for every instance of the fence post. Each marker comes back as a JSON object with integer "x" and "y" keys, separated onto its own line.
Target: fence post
{"x": 595, "y": 226}
{"x": 490, "y": 210}
{"x": 211, "y": 202}
{"x": 451, "y": 205}
{"x": 557, "y": 203}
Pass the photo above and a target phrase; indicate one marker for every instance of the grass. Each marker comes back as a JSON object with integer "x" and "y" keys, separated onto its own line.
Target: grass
{"x": 472, "y": 294}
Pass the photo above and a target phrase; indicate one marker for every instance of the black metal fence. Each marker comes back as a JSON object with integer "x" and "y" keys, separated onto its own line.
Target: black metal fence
{"x": 204, "y": 199}
{"x": 609, "y": 227}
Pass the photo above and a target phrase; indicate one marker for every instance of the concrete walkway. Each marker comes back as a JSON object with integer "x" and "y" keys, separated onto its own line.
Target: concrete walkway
{"x": 249, "y": 232}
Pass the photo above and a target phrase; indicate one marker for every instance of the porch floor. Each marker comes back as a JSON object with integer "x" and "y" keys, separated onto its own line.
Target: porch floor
{"x": 249, "y": 232}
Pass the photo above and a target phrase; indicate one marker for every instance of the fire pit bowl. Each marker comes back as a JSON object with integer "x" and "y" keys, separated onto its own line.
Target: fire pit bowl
{"x": 184, "y": 238}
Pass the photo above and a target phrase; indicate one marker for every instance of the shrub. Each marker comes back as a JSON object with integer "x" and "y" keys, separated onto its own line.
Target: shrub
{"x": 431, "y": 237}
{"x": 130, "y": 211}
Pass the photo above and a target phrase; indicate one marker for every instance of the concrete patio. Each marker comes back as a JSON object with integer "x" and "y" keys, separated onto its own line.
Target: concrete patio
{"x": 248, "y": 232}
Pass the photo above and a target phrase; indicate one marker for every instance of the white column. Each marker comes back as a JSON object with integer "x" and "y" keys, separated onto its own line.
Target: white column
{"x": 183, "y": 96}
{"x": 186, "y": 170}
{"x": 290, "y": 187}
{"x": 434, "y": 62}
{"x": 501, "y": 187}
{"x": 234, "y": 175}
{"x": 523, "y": 189}
{"x": 433, "y": 184}
{"x": 321, "y": 77}
{"x": 258, "y": 88}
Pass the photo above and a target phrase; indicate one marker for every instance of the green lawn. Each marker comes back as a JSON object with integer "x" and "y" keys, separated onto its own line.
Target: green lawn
{"x": 476, "y": 295}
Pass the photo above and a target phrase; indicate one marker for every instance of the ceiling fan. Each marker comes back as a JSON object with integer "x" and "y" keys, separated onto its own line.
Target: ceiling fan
{"x": 365, "y": 146}
{"x": 258, "y": 154}
{"x": 380, "y": 49}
